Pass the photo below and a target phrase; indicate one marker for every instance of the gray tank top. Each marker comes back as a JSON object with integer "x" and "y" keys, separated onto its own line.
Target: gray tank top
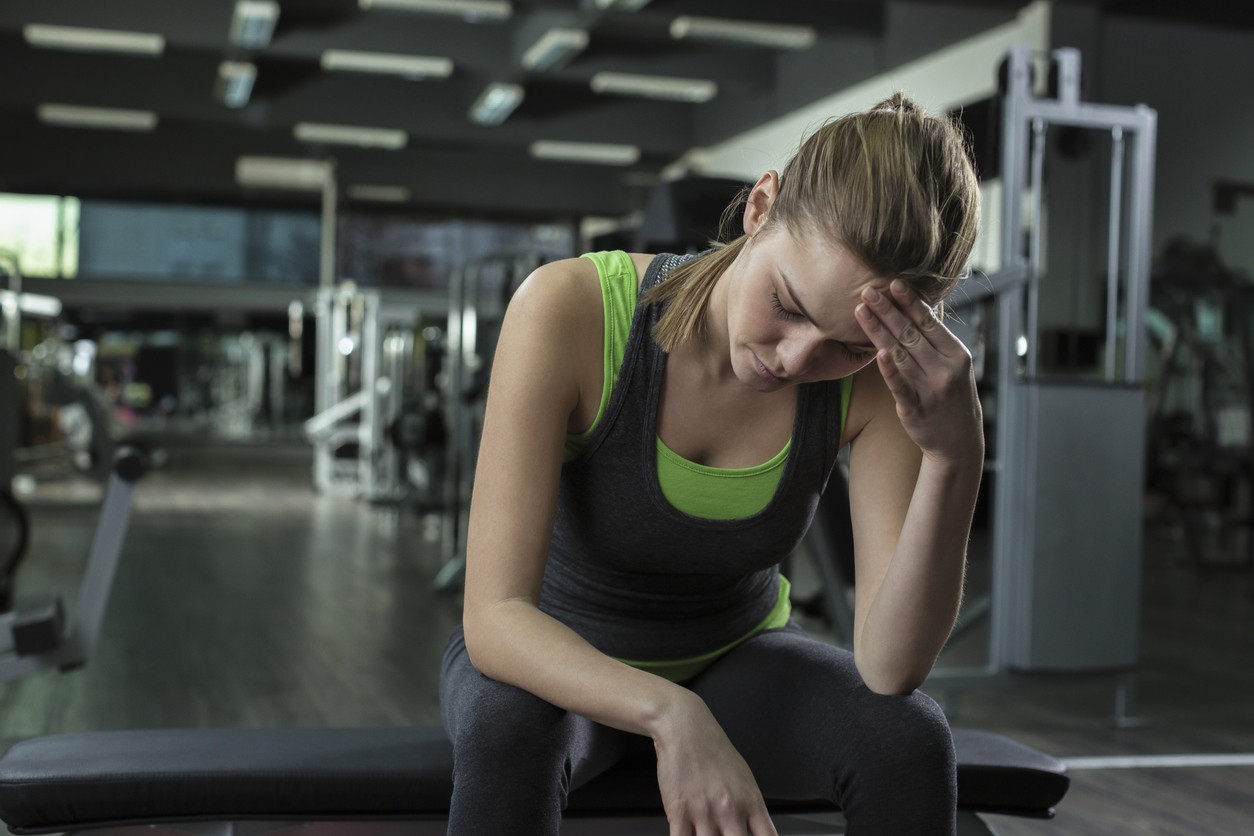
{"x": 636, "y": 577}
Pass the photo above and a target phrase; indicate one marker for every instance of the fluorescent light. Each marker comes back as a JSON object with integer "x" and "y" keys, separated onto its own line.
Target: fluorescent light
{"x": 585, "y": 152}
{"x": 655, "y": 86}
{"x": 554, "y": 48}
{"x": 252, "y": 25}
{"x": 74, "y": 116}
{"x": 622, "y": 5}
{"x": 381, "y": 194}
{"x": 778, "y": 35}
{"x": 410, "y": 66}
{"x": 235, "y": 82}
{"x": 496, "y": 103}
{"x": 282, "y": 173}
{"x": 93, "y": 40}
{"x": 472, "y": 10}
{"x": 35, "y": 304}
{"x": 350, "y": 135}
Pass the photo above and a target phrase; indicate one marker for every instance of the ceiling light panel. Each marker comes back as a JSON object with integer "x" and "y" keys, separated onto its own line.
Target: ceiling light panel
{"x": 235, "y": 82}
{"x": 496, "y": 103}
{"x": 252, "y": 25}
{"x": 471, "y": 10}
{"x": 655, "y": 87}
{"x": 554, "y": 48}
{"x": 282, "y": 173}
{"x": 621, "y": 5}
{"x": 110, "y": 118}
{"x": 409, "y": 66}
{"x": 387, "y": 138}
{"x": 93, "y": 40}
{"x": 754, "y": 33}
{"x": 585, "y": 152}
{"x": 379, "y": 194}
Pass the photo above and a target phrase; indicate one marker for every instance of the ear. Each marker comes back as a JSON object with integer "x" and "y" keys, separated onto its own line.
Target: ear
{"x": 761, "y": 198}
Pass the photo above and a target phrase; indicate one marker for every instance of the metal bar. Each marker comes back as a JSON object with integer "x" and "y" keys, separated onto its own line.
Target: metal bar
{"x": 1005, "y": 538}
{"x": 327, "y": 419}
{"x": 1037, "y": 186}
{"x": 1093, "y": 116}
{"x": 326, "y": 250}
{"x": 1140, "y": 230}
{"x": 102, "y": 564}
{"x": 1112, "y": 249}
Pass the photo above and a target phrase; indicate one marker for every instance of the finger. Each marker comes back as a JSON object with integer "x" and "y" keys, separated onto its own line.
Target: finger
{"x": 760, "y": 824}
{"x": 903, "y": 329}
{"x": 926, "y": 320}
{"x": 899, "y": 385}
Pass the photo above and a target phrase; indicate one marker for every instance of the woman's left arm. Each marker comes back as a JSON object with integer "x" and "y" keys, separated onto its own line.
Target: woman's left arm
{"x": 915, "y": 469}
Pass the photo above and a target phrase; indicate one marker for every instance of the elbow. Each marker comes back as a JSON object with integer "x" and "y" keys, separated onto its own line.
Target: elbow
{"x": 887, "y": 686}
{"x": 484, "y": 629}
{"x": 891, "y": 678}
{"x": 477, "y": 634}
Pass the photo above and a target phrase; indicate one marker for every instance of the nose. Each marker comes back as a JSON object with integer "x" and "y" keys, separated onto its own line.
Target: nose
{"x": 797, "y": 355}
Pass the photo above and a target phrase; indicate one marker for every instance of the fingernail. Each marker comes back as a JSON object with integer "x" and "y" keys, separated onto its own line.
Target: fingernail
{"x": 899, "y": 286}
{"x": 863, "y": 312}
{"x": 871, "y": 295}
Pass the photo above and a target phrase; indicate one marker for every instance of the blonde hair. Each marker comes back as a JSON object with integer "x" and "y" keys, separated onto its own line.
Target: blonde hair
{"x": 894, "y": 185}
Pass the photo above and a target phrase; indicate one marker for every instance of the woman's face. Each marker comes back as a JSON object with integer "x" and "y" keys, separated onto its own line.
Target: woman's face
{"x": 790, "y": 311}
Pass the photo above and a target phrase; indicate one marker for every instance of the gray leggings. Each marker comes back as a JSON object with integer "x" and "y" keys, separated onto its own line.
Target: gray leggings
{"x": 794, "y": 707}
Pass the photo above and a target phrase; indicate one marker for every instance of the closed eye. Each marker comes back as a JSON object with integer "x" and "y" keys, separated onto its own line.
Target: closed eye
{"x": 856, "y": 355}
{"x": 781, "y": 310}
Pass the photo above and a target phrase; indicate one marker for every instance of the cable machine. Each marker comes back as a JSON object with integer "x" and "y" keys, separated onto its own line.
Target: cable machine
{"x": 1067, "y": 461}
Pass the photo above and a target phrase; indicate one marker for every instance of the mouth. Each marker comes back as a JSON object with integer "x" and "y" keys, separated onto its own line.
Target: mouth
{"x": 766, "y": 374}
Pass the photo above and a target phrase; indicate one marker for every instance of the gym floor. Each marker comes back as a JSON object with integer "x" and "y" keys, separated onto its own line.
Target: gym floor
{"x": 245, "y": 599}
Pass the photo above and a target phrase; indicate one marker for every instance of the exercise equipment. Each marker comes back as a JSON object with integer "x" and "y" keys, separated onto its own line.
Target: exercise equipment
{"x": 480, "y": 291}
{"x": 365, "y": 346}
{"x": 240, "y": 781}
{"x": 34, "y": 636}
{"x": 1201, "y": 449}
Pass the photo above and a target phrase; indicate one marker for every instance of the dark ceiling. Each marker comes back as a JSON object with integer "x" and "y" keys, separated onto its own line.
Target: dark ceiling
{"x": 448, "y": 163}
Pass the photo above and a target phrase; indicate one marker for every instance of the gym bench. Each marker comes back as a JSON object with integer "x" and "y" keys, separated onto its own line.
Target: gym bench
{"x": 234, "y": 782}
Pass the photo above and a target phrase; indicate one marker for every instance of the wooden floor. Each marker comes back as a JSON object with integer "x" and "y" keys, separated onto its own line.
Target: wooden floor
{"x": 245, "y": 599}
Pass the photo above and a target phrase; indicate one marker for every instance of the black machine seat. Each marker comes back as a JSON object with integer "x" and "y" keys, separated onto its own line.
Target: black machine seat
{"x": 115, "y": 778}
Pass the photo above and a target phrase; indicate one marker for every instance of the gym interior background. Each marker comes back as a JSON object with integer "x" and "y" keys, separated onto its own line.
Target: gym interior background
{"x": 267, "y": 243}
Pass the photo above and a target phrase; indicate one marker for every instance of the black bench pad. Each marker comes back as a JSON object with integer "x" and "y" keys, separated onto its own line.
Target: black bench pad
{"x": 112, "y": 778}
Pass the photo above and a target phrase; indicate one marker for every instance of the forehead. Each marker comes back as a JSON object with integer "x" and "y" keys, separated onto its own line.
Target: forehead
{"x": 823, "y": 270}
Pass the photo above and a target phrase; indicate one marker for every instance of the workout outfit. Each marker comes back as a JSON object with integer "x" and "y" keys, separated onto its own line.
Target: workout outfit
{"x": 700, "y": 600}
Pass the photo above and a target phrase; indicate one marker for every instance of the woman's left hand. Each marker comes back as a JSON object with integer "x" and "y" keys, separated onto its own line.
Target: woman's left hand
{"x": 928, "y": 370}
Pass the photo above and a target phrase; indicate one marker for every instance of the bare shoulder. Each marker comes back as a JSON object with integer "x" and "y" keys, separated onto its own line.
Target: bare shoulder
{"x": 554, "y": 327}
{"x": 871, "y": 404}
{"x": 560, "y": 288}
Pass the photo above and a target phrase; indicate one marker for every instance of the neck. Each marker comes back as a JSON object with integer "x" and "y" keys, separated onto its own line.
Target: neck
{"x": 709, "y": 352}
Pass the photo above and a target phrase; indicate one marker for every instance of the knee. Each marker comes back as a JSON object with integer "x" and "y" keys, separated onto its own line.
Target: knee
{"x": 501, "y": 724}
{"x": 907, "y": 733}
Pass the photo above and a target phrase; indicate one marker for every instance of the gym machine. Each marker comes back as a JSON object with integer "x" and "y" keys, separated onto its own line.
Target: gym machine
{"x": 34, "y": 634}
{"x": 1201, "y": 450}
{"x": 1068, "y": 450}
{"x": 480, "y": 291}
{"x": 364, "y": 362}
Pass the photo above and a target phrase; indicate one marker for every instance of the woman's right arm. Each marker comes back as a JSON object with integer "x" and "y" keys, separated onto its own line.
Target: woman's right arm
{"x": 539, "y": 380}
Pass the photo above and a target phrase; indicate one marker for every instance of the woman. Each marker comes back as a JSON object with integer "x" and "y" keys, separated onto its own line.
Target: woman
{"x": 645, "y": 467}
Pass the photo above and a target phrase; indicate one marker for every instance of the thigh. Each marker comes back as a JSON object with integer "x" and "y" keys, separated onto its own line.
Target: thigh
{"x": 798, "y": 712}
{"x": 500, "y": 726}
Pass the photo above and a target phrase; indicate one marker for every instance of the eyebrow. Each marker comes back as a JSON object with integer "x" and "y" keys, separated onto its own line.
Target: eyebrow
{"x": 792, "y": 295}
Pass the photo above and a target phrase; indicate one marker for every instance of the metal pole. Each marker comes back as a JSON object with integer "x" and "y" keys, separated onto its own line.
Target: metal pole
{"x": 1139, "y": 243}
{"x": 1006, "y": 545}
{"x": 1112, "y": 250}
{"x": 326, "y": 253}
{"x": 1034, "y": 242}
